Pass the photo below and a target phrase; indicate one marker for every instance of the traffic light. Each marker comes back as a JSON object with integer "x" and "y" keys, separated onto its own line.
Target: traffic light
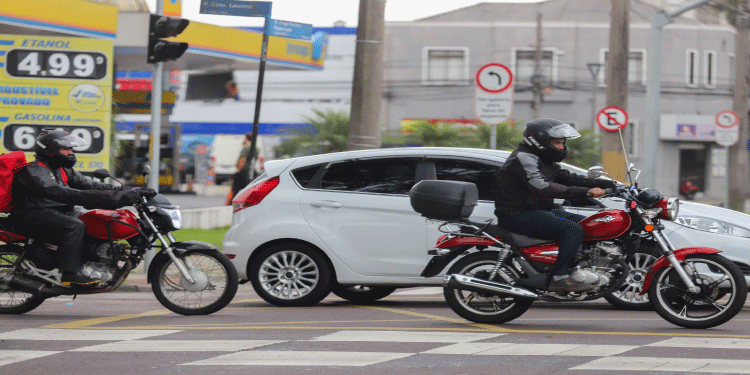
{"x": 165, "y": 27}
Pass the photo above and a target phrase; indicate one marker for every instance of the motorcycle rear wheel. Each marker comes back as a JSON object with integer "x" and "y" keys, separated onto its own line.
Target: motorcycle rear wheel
{"x": 216, "y": 283}
{"x": 483, "y": 307}
{"x": 13, "y": 301}
{"x": 722, "y": 295}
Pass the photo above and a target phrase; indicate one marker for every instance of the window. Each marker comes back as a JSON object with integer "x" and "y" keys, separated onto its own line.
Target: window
{"x": 385, "y": 176}
{"x": 524, "y": 60}
{"x": 691, "y": 68}
{"x": 709, "y": 69}
{"x": 481, "y": 174}
{"x": 305, "y": 174}
{"x": 636, "y": 66}
{"x": 445, "y": 66}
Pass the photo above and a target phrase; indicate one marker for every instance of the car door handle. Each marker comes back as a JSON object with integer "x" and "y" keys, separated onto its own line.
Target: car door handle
{"x": 326, "y": 204}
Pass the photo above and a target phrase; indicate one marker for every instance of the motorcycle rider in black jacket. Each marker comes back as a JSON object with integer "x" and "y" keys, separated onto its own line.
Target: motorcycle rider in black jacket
{"x": 529, "y": 181}
{"x": 44, "y": 195}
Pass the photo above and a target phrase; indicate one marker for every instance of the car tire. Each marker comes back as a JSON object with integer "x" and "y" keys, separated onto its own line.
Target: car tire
{"x": 291, "y": 275}
{"x": 361, "y": 294}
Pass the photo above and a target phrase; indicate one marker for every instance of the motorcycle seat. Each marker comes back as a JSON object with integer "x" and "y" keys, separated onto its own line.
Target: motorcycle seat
{"x": 494, "y": 230}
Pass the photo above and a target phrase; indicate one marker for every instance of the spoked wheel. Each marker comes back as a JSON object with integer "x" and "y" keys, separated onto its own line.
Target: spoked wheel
{"x": 215, "y": 285}
{"x": 722, "y": 294}
{"x": 14, "y": 301}
{"x": 361, "y": 294}
{"x": 629, "y": 296}
{"x": 484, "y": 307}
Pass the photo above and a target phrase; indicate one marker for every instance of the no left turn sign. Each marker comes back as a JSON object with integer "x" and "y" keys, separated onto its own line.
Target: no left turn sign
{"x": 612, "y": 119}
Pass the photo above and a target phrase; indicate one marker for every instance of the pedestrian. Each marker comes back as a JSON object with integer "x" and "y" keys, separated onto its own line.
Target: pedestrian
{"x": 242, "y": 177}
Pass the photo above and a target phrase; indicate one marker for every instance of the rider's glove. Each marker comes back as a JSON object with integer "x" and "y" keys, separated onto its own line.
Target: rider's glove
{"x": 128, "y": 198}
{"x": 146, "y": 192}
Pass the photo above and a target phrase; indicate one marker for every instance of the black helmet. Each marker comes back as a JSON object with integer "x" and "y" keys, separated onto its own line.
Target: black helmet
{"x": 540, "y": 132}
{"x": 48, "y": 144}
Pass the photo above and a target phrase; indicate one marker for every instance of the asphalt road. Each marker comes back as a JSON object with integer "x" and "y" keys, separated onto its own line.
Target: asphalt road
{"x": 409, "y": 332}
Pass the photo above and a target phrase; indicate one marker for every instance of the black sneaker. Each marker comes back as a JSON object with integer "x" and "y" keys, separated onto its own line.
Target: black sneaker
{"x": 77, "y": 278}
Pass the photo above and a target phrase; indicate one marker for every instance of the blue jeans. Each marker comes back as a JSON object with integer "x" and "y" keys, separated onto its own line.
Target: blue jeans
{"x": 558, "y": 225}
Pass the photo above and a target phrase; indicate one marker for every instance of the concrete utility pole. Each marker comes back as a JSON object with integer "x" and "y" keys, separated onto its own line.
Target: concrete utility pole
{"x": 155, "y": 144}
{"x": 536, "y": 79}
{"x": 367, "y": 86}
{"x": 613, "y": 156}
{"x": 737, "y": 168}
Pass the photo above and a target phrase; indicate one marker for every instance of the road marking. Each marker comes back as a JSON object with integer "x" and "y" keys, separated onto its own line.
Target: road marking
{"x": 298, "y": 358}
{"x": 486, "y": 327}
{"x": 725, "y": 366}
{"x": 12, "y": 356}
{"x": 403, "y": 336}
{"x": 81, "y": 334}
{"x": 178, "y": 346}
{"x": 711, "y": 343}
{"x": 106, "y": 319}
{"x": 474, "y": 348}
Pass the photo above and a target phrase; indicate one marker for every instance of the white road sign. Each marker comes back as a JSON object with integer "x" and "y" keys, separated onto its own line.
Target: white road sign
{"x": 727, "y": 133}
{"x": 612, "y": 118}
{"x": 494, "y": 94}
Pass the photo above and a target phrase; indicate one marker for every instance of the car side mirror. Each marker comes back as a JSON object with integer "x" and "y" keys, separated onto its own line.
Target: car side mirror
{"x": 596, "y": 171}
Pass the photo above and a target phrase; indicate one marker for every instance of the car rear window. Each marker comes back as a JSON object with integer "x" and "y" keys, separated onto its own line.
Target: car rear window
{"x": 386, "y": 175}
{"x": 481, "y": 174}
{"x": 305, "y": 174}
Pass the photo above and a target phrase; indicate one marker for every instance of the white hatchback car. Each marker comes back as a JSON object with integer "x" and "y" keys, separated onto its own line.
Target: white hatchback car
{"x": 343, "y": 222}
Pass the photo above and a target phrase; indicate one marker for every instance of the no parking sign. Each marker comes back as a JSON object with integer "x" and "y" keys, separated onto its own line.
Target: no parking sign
{"x": 612, "y": 119}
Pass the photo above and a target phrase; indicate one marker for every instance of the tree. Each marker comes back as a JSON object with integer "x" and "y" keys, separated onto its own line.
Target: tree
{"x": 328, "y": 132}
{"x": 585, "y": 151}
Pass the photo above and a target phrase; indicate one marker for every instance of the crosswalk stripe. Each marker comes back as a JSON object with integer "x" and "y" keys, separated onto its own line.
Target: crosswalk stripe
{"x": 725, "y": 366}
{"x": 299, "y": 358}
{"x": 81, "y": 334}
{"x": 482, "y": 348}
{"x": 12, "y": 356}
{"x": 405, "y": 336}
{"x": 701, "y": 342}
{"x": 178, "y": 346}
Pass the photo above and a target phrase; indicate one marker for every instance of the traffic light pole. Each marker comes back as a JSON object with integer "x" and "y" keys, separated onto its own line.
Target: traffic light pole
{"x": 258, "y": 98}
{"x": 155, "y": 142}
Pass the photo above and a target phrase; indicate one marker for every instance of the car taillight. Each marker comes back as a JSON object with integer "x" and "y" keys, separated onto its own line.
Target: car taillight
{"x": 254, "y": 195}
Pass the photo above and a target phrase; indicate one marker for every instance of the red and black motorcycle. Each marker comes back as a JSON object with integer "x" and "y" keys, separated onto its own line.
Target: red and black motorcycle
{"x": 500, "y": 273}
{"x": 188, "y": 277}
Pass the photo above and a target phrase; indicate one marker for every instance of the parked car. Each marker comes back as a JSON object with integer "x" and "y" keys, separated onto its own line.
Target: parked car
{"x": 342, "y": 222}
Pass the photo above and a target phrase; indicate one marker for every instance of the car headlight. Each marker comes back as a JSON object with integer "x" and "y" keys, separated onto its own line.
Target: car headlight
{"x": 713, "y": 226}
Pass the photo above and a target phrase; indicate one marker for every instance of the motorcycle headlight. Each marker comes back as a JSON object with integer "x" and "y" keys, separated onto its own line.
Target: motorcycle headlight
{"x": 670, "y": 208}
{"x": 713, "y": 226}
{"x": 176, "y": 217}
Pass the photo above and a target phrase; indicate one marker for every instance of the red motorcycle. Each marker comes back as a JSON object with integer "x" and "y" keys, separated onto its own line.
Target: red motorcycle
{"x": 187, "y": 277}
{"x": 500, "y": 273}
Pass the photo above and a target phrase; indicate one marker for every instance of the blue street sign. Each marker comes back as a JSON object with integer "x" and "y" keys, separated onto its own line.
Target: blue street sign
{"x": 236, "y": 8}
{"x": 290, "y": 29}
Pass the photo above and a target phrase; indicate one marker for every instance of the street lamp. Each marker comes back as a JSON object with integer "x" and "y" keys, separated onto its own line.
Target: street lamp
{"x": 594, "y": 69}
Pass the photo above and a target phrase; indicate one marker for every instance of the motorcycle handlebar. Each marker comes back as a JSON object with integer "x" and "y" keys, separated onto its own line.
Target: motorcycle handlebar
{"x": 611, "y": 191}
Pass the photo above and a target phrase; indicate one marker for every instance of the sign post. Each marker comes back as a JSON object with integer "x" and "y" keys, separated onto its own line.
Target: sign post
{"x": 247, "y": 9}
{"x": 727, "y": 134}
{"x": 493, "y": 99}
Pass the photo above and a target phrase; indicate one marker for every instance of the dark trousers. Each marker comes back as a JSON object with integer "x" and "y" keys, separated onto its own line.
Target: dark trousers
{"x": 56, "y": 228}
{"x": 557, "y": 225}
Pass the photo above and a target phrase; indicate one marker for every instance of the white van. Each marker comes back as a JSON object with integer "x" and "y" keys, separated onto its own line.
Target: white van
{"x": 224, "y": 154}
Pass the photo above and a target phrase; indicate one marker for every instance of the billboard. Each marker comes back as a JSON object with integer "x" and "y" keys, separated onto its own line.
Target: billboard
{"x": 56, "y": 82}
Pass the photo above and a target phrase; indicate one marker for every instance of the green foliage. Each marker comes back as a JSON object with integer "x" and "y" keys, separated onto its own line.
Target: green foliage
{"x": 585, "y": 151}
{"x": 212, "y": 236}
{"x": 329, "y": 133}
{"x": 450, "y": 135}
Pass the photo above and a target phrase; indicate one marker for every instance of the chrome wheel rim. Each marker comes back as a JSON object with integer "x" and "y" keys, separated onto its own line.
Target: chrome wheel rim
{"x": 210, "y": 278}
{"x": 288, "y": 275}
{"x": 630, "y": 292}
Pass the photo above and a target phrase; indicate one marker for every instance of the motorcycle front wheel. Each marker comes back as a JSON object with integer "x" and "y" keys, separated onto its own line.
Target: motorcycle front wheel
{"x": 215, "y": 285}
{"x": 484, "y": 307}
{"x": 722, "y": 294}
{"x": 13, "y": 301}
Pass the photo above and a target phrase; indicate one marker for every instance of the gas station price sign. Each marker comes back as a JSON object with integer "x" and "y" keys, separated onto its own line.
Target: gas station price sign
{"x": 59, "y": 83}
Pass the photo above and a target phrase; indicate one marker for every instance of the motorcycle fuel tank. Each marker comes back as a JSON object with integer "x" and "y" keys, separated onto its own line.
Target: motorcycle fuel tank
{"x": 605, "y": 225}
{"x": 96, "y": 224}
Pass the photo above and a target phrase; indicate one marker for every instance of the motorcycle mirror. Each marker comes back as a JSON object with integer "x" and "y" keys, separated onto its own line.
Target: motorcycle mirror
{"x": 596, "y": 171}
{"x": 101, "y": 174}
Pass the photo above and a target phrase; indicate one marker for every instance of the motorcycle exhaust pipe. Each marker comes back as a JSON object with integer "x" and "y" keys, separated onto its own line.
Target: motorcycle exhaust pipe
{"x": 473, "y": 284}
{"x": 25, "y": 285}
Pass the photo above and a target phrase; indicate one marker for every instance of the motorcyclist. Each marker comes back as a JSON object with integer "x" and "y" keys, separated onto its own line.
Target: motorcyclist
{"x": 529, "y": 181}
{"x": 44, "y": 195}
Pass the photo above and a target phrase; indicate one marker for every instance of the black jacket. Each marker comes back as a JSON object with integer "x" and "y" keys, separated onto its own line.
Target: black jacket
{"x": 37, "y": 186}
{"x": 528, "y": 182}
